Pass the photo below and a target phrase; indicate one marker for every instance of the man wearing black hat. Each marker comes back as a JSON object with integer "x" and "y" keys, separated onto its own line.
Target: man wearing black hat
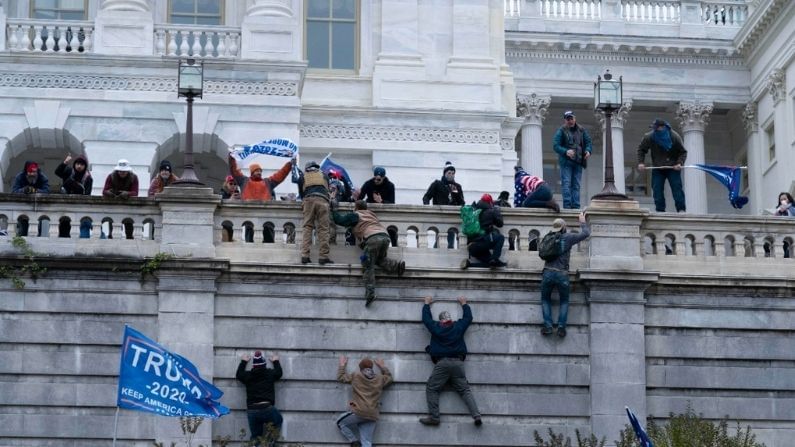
{"x": 163, "y": 178}
{"x": 448, "y": 352}
{"x": 668, "y": 155}
{"x": 378, "y": 189}
{"x": 314, "y": 190}
{"x": 573, "y": 146}
{"x": 261, "y": 396}
{"x": 445, "y": 191}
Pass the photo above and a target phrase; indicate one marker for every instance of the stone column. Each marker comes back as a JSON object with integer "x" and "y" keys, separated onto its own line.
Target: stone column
{"x": 124, "y": 27}
{"x": 616, "y": 280}
{"x": 617, "y": 128}
{"x": 753, "y": 151}
{"x": 271, "y": 29}
{"x": 185, "y": 323}
{"x": 533, "y": 109}
{"x": 777, "y": 88}
{"x": 694, "y": 117}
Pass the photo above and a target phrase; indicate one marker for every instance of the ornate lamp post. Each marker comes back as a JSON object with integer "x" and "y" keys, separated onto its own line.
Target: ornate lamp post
{"x": 608, "y": 96}
{"x": 189, "y": 86}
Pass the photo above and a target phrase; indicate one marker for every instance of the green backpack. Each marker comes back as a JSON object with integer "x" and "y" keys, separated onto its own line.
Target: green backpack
{"x": 551, "y": 246}
{"x": 470, "y": 222}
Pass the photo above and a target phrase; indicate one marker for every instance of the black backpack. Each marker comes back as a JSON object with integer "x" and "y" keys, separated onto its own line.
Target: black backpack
{"x": 551, "y": 246}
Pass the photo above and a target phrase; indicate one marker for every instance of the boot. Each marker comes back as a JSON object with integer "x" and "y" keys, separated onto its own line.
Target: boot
{"x": 553, "y": 205}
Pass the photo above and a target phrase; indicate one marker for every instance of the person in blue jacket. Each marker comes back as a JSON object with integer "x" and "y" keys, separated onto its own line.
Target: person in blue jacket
{"x": 573, "y": 146}
{"x": 448, "y": 352}
{"x": 31, "y": 180}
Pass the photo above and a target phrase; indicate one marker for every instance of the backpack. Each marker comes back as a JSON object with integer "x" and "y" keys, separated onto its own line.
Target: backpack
{"x": 551, "y": 246}
{"x": 470, "y": 222}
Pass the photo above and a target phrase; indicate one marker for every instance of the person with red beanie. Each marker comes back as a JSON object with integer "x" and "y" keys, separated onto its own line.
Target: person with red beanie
{"x": 261, "y": 397}
{"x": 487, "y": 248}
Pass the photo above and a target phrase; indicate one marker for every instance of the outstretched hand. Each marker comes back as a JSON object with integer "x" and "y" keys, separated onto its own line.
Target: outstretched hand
{"x": 380, "y": 363}
{"x": 343, "y": 360}
{"x": 582, "y": 217}
{"x": 428, "y": 299}
{"x": 275, "y": 358}
{"x": 245, "y": 357}
{"x": 462, "y": 300}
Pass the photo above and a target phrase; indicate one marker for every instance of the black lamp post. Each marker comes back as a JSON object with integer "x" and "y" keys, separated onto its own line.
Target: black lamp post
{"x": 190, "y": 81}
{"x": 608, "y": 96}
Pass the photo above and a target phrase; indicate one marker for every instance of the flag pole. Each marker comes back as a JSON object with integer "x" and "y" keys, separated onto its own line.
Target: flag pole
{"x": 648, "y": 168}
{"x": 115, "y": 425}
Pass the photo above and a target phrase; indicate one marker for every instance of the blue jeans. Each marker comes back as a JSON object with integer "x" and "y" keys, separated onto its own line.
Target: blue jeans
{"x": 570, "y": 176}
{"x": 258, "y": 417}
{"x": 674, "y": 177}
{"x": 539, "y": 198}
{"x": 550, "y": 280}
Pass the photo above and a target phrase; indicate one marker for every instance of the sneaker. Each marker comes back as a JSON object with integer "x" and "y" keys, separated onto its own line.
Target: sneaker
{"x": 465, "y": 264}
{"x": 401, "y": 268}
{"x": 305, "y": 261}
{"x": 478, "y": 421}
{"x": 546, "y": 330}
{"x": 498, "y": 263}
{"x": 561, "y": 331}
{"x": 429, "y": 421}
{"x": 369, "y": 298}
{"x": 553, "y": 205}
{"x": 325, "y": 261}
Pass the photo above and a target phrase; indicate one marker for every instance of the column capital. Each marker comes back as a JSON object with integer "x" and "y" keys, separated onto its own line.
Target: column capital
{"x": 750, "y": 117}
{"x": 694, "y": 115}
{"x": 619, "y": 116}
{"x": 270, "y": 8}
{"x": 777, "y": 85}
{"x": 532, "y": 108}
{"x": 125, "y": 5}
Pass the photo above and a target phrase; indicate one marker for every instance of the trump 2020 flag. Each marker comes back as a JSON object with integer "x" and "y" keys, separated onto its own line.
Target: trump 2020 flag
{"x": 731, "y": 177}
{"x": 277, "y": 147}
{"x": 328, "y": 166}
{"x": 643, "y": 437}
{"x": 158, "y": 381}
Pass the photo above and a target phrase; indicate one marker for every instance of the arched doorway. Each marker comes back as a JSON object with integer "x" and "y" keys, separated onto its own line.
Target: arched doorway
{"x": 209, "y": 158}
{"x": 47, "y": 147}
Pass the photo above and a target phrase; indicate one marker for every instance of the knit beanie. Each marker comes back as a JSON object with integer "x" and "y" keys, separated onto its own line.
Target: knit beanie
{"x": 253, "y": 167}
{"x": 258, "y": 359}
{"x": 165, "y": 164}
{"x": 487, "y": 198}
{"x": 448, "y": 167}
{"x": 379, "y": 171}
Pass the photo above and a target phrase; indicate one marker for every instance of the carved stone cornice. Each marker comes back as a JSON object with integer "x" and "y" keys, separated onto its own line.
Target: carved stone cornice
{"x": 618, "y": 118}
{"x": 694, "y": 115}
{"x": 400, "y": 134}
{"x": 532, "y": 108}
{"x": 765, "y": 13}
{"x": 148, "y": 84}
{"x": 777, "y": 85}
{"x": 750, "y": 117}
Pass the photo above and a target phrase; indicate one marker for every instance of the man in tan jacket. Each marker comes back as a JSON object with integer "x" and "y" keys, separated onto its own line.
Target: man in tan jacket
{"x": 366, "y": 387}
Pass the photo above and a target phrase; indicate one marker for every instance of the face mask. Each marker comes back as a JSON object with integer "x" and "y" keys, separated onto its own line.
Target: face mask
{"x": 784, "y": 203}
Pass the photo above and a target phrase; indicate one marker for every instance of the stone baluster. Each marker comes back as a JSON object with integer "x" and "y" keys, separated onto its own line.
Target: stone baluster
{"x": 171, "y": 36}
{"x": 88, "y": 41}
{"x": 37, "y": 41}
{"x": 207, "y": 48}
{"x": 694, "y": 117}
{"x": 221, "y": 49}
{"x": 759, "y": 248}
{"x": 13, "y": 41}
{"x": 698, "y": 247}
{"x": 49, "y": 44}
{"x": 739, "y": 247}
{"x": 183, "y": 45}
{"x": 777, "y": 250}
{"x": 25, "y": 43}
{"x": 754, "y": 155}
{"x": 196, "y": 48}
{"x": 533, "y": 109}
{"x": 160, "y": 42}
{"x": 74, "y": 42}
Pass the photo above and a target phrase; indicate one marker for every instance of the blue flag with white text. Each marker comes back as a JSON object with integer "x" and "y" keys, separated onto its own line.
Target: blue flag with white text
{"x": 731, "y": 177}
{"x": 155, "y": 380}
{"x": 643, "y": 437}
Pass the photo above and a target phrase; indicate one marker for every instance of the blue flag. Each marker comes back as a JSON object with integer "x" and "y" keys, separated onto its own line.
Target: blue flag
{"x": 277, "y": 147}
{"x": 328, "y": 166}
{"x": 155, "y": 380}
{"x": 643, "y": 437}
{"x": 731, "y": 177}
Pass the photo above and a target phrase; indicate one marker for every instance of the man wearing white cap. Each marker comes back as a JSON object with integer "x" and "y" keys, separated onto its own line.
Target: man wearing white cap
{"x": 122, "y": 183}
{"x": 556, "y": 273}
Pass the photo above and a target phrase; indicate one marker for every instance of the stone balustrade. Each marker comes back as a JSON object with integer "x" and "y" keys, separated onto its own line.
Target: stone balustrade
{"x": 650, "y": 11}
{"x": 571, "y": 9}
{"x": 210, "y": 42}
{"x": 49, "y": 36}
{"x": 724, "y": 13}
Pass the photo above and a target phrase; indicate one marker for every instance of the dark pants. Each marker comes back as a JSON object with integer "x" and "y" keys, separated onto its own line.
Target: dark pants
{"x": 539, "y": 198}
{"x": 674, "y": 177}
{"x": 552, "y": 279}
{"x": 258, "y": 418}
{"x": 486, "y": 248}
{"x": 375, "y": 254}
{"x": 449, "y": 370}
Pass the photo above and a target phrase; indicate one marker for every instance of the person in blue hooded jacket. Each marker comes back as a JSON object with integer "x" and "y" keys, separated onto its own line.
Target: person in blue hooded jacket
{"x": 448, "y": 352}
{"x": 668, "y": 155}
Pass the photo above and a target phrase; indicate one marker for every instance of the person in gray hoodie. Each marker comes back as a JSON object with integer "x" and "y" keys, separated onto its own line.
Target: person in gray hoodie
{"x": 358, "y": 423}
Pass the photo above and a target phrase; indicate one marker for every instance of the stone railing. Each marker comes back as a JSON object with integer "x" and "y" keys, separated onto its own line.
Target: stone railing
{"x": 724, "y": 13}
{"x": 198, "y": 41}
{"x": 651, "y": 11}
{"x": 62, "y": 37}
{"x": 571, "y": 9}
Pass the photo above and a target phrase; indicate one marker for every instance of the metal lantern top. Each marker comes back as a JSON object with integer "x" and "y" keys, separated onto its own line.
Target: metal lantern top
{"x": 191, "y": 78}
{"x": 607, "y": 92}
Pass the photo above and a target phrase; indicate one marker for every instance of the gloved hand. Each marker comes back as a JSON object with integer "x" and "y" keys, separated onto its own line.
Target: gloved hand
{"x": 30, "y": 190}
{"x": 124, "y": 195}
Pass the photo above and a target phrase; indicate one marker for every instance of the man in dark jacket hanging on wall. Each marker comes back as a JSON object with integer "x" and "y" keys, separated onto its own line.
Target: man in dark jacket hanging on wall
{"x": 445, "y": 191}
{"x": 448, "y": 352}
{"x": 487, "y": 249}
{"x": 261, "y": 396}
